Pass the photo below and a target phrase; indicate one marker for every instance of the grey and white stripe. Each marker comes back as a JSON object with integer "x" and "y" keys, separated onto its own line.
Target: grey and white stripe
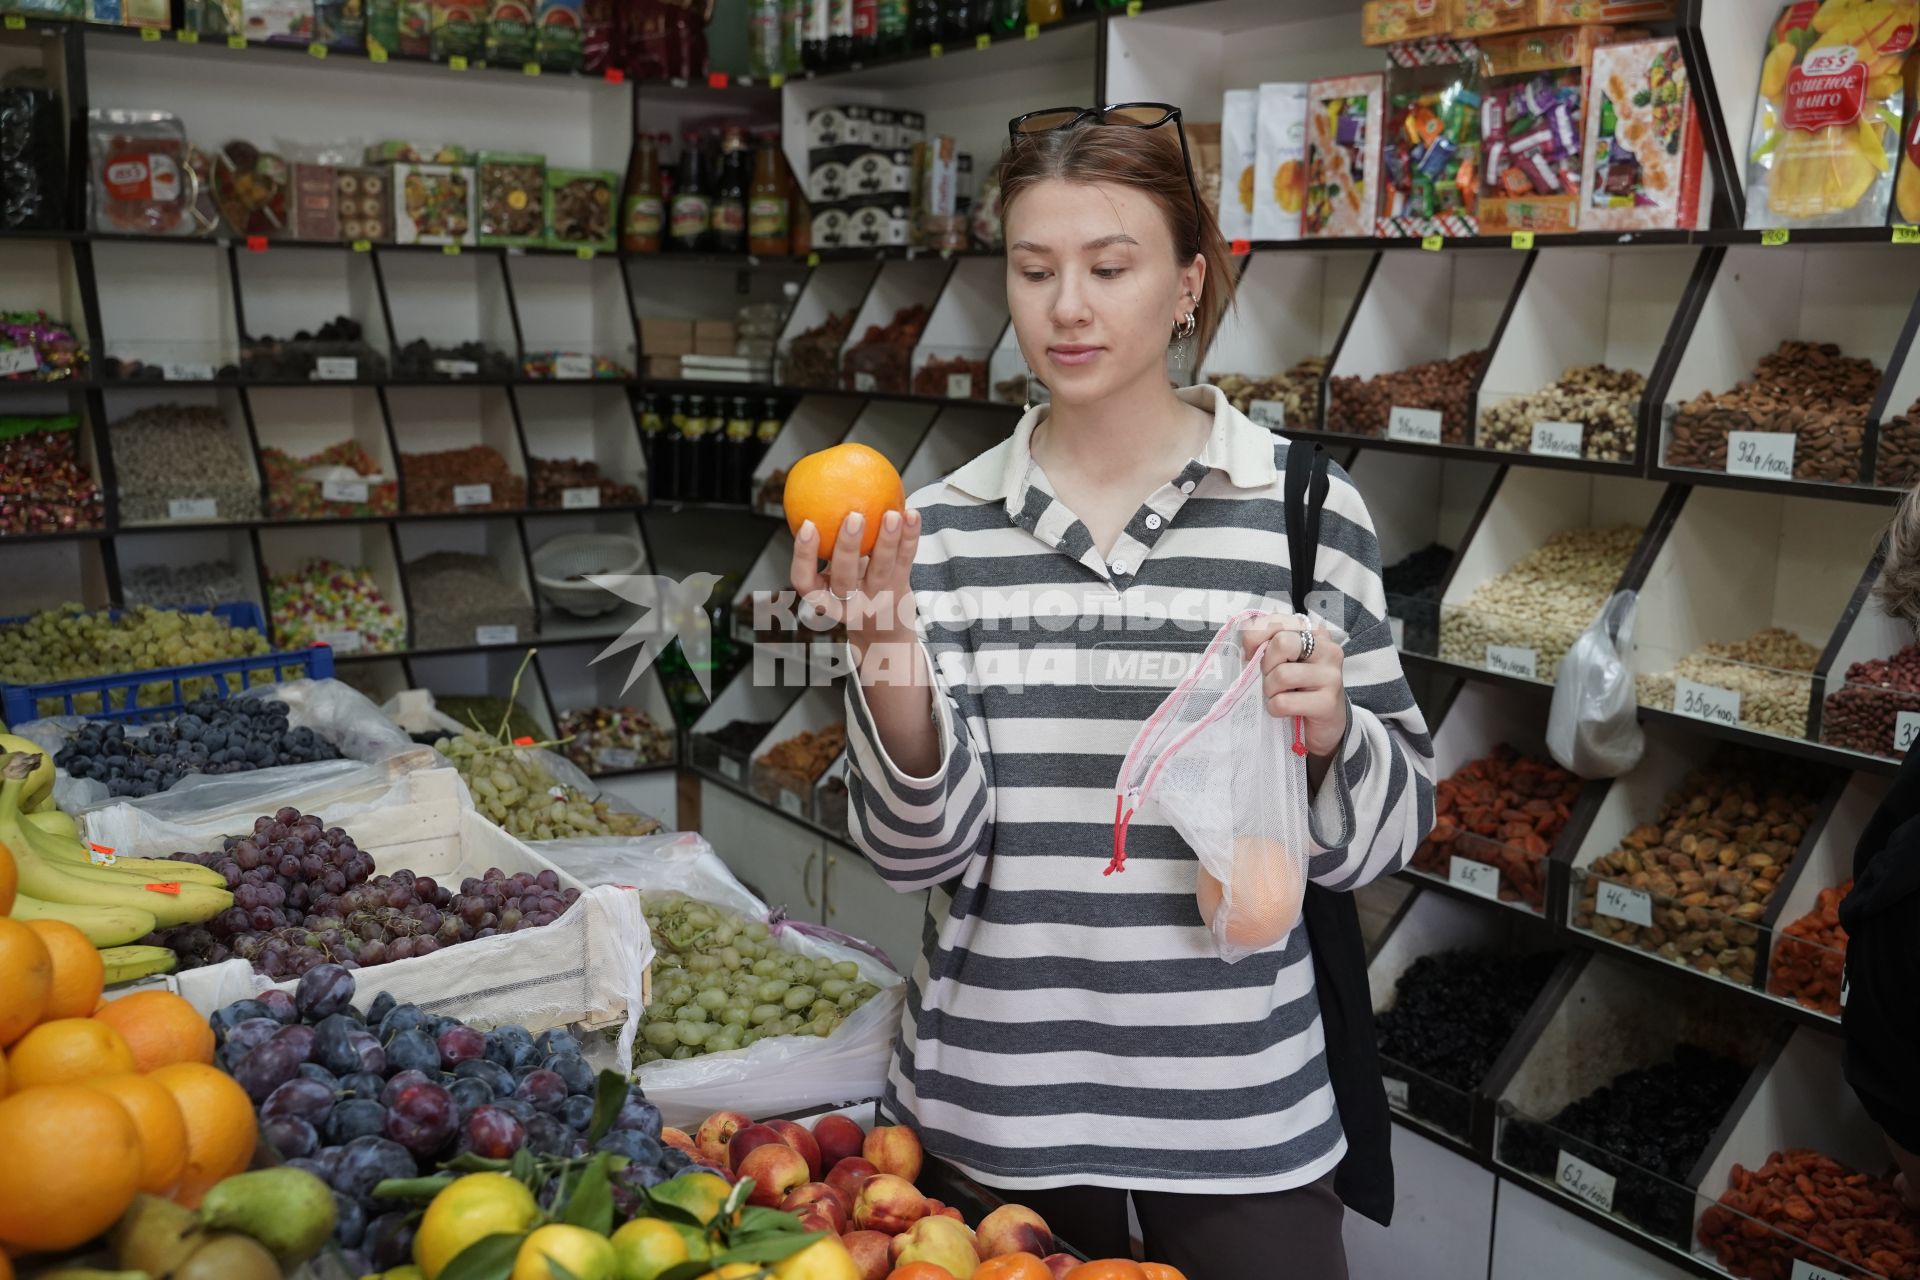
{"x": 1065, "y": 1027}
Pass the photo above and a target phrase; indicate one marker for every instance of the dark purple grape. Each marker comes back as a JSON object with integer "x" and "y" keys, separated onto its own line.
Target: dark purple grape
{"x": 400, "y": 1082}
{"x": 349, "y": 1221}
{"x": 422, "y": 1118}
{"x": 572, "y": 1070}
{"x": 389, "y": 1239}
{"x": 494, "y": 1133}
{"x": 469, "y": 1094}
{"x": 362, "y": 1084}
{"x": 544, "y": 1090}
{"x": 266, "y": 1069}
{"x": 288, "y": 866}
{"x": 425, "y": 946}
{"x": 497, "y": 1078}
{"x": 577, "y": 1112}
{"x": 638, "y": 1114}
{"x": 369, "y": 1160}
{"x": 279, "y": 1005}
{"x": 353, "y": 1118}
{"x": 302, "y": 1039}
{"x": 548, "y": 1137}
{"x": 299, "y": 1098}
{"x": 290, "y": 1136}
{"x": 325, "y": 990}
{"x": 459, "y": 1044}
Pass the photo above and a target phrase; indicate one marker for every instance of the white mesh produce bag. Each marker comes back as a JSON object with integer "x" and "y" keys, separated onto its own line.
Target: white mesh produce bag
{"x": 589, "y": 966}
{"x": 1231, "y": 778}
{"x": 772, "y": 1076}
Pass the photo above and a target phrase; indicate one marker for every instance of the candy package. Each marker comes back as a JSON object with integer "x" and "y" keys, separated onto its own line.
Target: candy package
{"x": 580, "y": 208}
{"x": 404, "y": 27}
{"x": 340, "y": 24}
{"x": 141, "y": 179}
{"x": 1239, "y": 113}
{"x": 1430, "y": 140}
{"x": 1343, "y": 162}
{"x": 251, "y": 187}
{"x": 436, "y": 203}
{"x": 1643, "y": 168}
{"x": 1477, "y": 18}
{"x": 75, "y": 9}
{"x": 1826, "y": 128}
{"x": 279, "y": 21}
{"x": 1280, "y": 162}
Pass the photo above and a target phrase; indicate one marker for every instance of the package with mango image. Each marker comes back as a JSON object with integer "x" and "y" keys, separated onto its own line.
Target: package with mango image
{"x": 1280, "y": 162}
{"x": 1826, "y": 127}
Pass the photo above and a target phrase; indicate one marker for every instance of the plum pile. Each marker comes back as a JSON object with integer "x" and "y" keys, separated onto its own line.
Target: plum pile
{"x": 304, "y": 895}
{"x": 213, "y": 735}
{"x": 356, "y": 1098}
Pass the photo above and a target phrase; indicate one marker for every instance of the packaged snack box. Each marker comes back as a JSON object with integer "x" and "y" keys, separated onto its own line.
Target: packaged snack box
{"x": 279, "y": 21}
{"x": 1477, "y": 18}
{"x": 1391, "y": 21}
{"x": 1239, "y": 113}
{"x": 1343, "y": 156}
{"x": 513, "y": 197}
{"x": 1430, "y": 140}
{"x": 581, "y": 207}
{"x": 459, "y": 29}
{"x": 340, "y": 24}
{"x": 560, "y": 37}
{"x": 1280, "y": 161}
{"x": 1643, "y": 166}
{"x": 215, "y": 17}
{"x": 510, "y": 33}
{"x": 434, "y": 203}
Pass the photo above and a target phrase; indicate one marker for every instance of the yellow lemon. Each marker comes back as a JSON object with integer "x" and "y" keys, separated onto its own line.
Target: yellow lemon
{"x": 585, "y": 1254}
{"x": 645, "y": 1247}
{"x": 700, "y": 1194}
{"x": 474, "y": 1207}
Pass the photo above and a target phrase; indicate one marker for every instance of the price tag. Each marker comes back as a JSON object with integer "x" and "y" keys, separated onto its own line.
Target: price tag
{"x": 1906, "y": 233}
{"x": 616, "y": 76}
{"x": 1804, "y": 1270}
{"x": 936, "y": 51}
{"x": 171, "y": 887}
{"x": 1634, "y": 906}
{"x": 1475, "y": 877}
{"x": 256, "y": 244}
{"x": 240, "y": 42}
{"x": 529, "y": 68}
{"x": 472, "y": 495}
{"x": 376, "y": 52}
{"x": 1240, "y": 248}
{"x": 1768, "y": 454}
{"x": 1512, "y": 660}
{"x": 730, "y": 768}
{"x": 813, "y": 259}
{"x": 616, "y": 758}
{"x": 19, "y": 360}
{"x": 1773, "y": 235}
{"x": 451, "y": 250}
{"x": 363, "y": 246}
{"x": 336, "y": 368}
{"x": 317, "y": 50}
{"x": 863, "y": 381}
{"x": 15, "y": 22}
{"x": 523, "y": 742}
{"x": 983, "y": 40}
{"x": 1422, "y": 426}
{"x": 1397, "y": 627}
{"x": 187, "y": 35}
{"x": 1586, "y": 1183}
{"x": 959, "y": 386}
{"x": 1558, "y": 439}
{"x": 791, "y": 803}
{"x": 1271, "y": 414}
{"x": 573, "y": 366}
{"x": 716, "y": 80}
{"x": 1522, "y": 240}
{"x": 1133, "y": 8}
{"x": 1707, "y": 702}
{"x": 100, "y": 855}
{"x": 192, "y": 509}
{"x": 775, "y": 80}
{"x": 456, "y": 368}
{"x": 585, "y": 253}
{"x": 458, "y": 62}
{"x": 344, "y": 641}
{"x": 1433, "y": 244}
{"x": 1906, "y": 728}
{"x": 151, "y": 35}
{"x": 584, "y": 499}
{"x": 180, "y": 371}
{"x": 344, "y": 490}
{"x": 1033, "y": 31}
{"x": 496, "y": 635}
{"x": 1396, "y": 1092}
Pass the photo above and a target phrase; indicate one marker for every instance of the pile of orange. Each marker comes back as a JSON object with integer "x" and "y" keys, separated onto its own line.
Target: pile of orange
{"x": 101, "y": 1100}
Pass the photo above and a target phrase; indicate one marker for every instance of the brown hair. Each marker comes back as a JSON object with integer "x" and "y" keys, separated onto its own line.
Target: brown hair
{"x": 1898, "y": 590}
{"x": 1147, "y": 160}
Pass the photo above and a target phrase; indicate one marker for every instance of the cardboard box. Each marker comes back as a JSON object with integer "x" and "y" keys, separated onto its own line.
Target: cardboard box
{"x": 1390, "y": 21}
{"x": 434, "y": 203}
{"x": 714, "y": 337}
{"x": 1280, "y": 161}
{"x": 667, "y": 367}
{"x": 1643, "y": 158}
{"x": 1343, "y": 155}
{"x": 666, "y": 337}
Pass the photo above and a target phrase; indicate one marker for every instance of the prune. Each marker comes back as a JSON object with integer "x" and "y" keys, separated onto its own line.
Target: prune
{"x": 279, "y": 1005}
{"x": 362, "y": 1084}
{"x": 299, "y": 1098}
{"x": 638, "y": 1114}
{"x": 266, "y": 1069}
{"x": 291, "y": 1136}
{"x": 422, "y": 1118}
{"x": 232, "y": 1015}
{"x": 637, "y": 1147}
{"x": 302, "y": 1039}
{"x": 349, "y": 1221}
{"x": 577, "y": 1112}
{"x": 352, "y": 1119}
{"x": 368, "y": 1161}
{"x": 413, "y": 1049}
{"x": 543, "y": 1089}
{"x": 244, "y": 1037}
{"x": 400, "y": 1018}
{"x": 324, "y": 990}
{"x": 460, "y": 1044}
{"x": 573, "y": 1070}
{"x": 546, "y": 1136}
{"x": 494, "y": 1132}
{"x": 383, "y": 1004}
{"x": 389, "y": 1239}
{"x": 497, "y": 1078}
{"x": 400, "y": 1081}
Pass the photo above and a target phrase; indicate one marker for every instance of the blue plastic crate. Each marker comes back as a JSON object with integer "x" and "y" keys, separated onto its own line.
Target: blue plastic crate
{"x": 20, "y": 702}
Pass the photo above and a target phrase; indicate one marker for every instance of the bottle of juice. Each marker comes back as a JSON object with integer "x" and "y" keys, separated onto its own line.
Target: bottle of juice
{"x": 645, "y": 212}
{"x": 767, "y": 233}
{"x": 1044, "y": 11}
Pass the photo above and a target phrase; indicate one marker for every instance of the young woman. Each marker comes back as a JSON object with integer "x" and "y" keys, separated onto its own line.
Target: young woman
{"x": 1073, "y": 1037}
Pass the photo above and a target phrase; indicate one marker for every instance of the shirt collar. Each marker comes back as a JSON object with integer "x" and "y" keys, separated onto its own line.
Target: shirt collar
{"x": 1237, "y": 445}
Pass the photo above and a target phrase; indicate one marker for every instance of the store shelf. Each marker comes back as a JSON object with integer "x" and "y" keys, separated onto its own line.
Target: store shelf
{"x": 1002, "y": 54}
{"x": 1463, "y": 453}
{"x": 686, "y": 386}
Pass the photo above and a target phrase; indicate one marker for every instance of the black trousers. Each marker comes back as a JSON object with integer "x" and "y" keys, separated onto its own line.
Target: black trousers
{"x": 1274, "y": 1235}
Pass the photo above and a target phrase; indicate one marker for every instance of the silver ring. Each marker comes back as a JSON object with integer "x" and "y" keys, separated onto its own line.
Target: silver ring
{"x": 1306, "y": 646}
{"x": 837, "y": 596}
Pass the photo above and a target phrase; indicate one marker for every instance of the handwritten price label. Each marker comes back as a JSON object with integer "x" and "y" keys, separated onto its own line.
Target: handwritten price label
{"x": 1271, "y": 414}
{"x": 1707, "y": 702}
{"x": 1558, "y": 439}
{"x": 336, "y": 368}
{"x": 790, "y": 802}
{"x": 580, "y": 499}
{"x": 1512, "y": 660}
{"x": 729, "y": 769}
{"x": 472, "y": 495}
{"x": 192, "y": 509}
{"x": 496, "y": 635}
{"x": 1804, "y": 1270}
{"x": 616, "y": 758}
{"x": 1767, "y": 454}
{"x": 344, "y": 641}
{"x": 1585, "y": 1183}
{"x": 1475, "y": 877}
{"x": 1422, "y": 426}
{"x": 1622, "y": 903}
{"x": 1396, "y": 1092}
{"x": 344, "y": 490}
{"x": 1906, "y": 728}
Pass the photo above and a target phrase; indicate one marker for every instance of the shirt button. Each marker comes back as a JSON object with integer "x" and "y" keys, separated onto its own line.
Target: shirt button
{"x": 1153, "y": 522}
{"x": 1118, "y": 566}
{"x": 1186, "y": 486}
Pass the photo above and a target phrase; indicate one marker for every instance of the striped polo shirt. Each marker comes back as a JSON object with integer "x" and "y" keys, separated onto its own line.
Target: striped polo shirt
{"x": 1068, "y": 1028}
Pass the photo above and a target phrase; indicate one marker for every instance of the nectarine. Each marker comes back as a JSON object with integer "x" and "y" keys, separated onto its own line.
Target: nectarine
{"x": 776, "y": 1169}
{"x": 746, "y": 1138}
{"x": 838, "y": 1137}
{"x": 1014, "y": 1228}
{"x": 888, "y": 1205}
{"x": 830, "y": 1199}
{"x": 870, "y": 1256}
{"x": 715, "y": 1133}
{"x": 679, "y": 1138}
{"x": 941, "y": 1241}
{"x": 800, "y": 1139}
{"x": 847, "y": 1176}
{"x": 894, "y": 1149}
{"x": 1060, "y": 1263}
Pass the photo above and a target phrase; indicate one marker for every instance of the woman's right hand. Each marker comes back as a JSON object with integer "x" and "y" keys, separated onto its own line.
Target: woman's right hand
{"x": 871, "y": 595}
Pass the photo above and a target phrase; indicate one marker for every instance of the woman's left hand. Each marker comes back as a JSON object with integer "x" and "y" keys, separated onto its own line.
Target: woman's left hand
{"x": 1313, "y": 689}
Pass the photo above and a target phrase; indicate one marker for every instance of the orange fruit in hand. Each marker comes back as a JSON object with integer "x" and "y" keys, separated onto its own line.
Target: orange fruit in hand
{"x": 1013, "y": 1266}
{"x": 1162, "y": 1271}
{"x": 67, "y": 1050}
{"x": 162, "y": 1129}
{"x": 71, "y": 1169}
{"x": 220, "y": 1125}
{"x": 160, "y": 1028}
{"x": 827, "y": 486}
{"x": 1108, "y": 1269}
{"x": 78, "y": 971}
{"x": 920, "y": 1271}
{"x": 29, "y": 976}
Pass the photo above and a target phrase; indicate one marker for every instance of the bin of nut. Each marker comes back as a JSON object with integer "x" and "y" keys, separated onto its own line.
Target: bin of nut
{"x": 1897, "y": 463}
{"x": 476, "y": 478}
{"x": 1804, "y": 389}
{"x": 1364, "y": 406}
{"x": 340, "y": 480}
{"x": 612, "y": 739}
{"x": 880, "y": 360}
{"x": 1694, "y": 885}
{"x": 1877, "y": 710}
{"x": 812, "y": 358}
{"x": 181, "y": 462}
{"x": 1809, "y": 961}
{"x": 1505, "y": 810}
{"x": 1295, "y": 393}
{"x": 1413, "y": 586}
{"x": 1603, "y": 403}
{"x": 1522, "y": 622}
{"x": 728, "y": 750}
{"x": 1764, "y": 673}
{"x": 956, "y": 377}
{"x": 784, "y": 774}
{"x": 1806, "y": 1206}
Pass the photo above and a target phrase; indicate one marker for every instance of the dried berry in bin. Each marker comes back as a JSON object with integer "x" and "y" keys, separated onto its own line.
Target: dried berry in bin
{"x": 1413, "y": 595}
{"x": 340, "y": 480}
{"x": 336, "y": 351}
{"x": 476, "y": 478}
{"x": 812, "y": 359}
{"x": 1809, "y": 961}
{"x": 880, "y": 360}
{"x": 1505, "y": 809}
{"x": 423, "y": 359}
{"x": 1802, "y": 1195}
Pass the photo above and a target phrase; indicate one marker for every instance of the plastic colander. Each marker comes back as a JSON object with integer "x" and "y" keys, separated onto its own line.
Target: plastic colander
{"x": 561, "y": 565}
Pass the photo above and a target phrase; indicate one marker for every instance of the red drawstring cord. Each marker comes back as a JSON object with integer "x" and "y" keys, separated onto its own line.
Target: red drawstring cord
{"x": 1120, "y": 821}
{"x": 1299, "y": 738}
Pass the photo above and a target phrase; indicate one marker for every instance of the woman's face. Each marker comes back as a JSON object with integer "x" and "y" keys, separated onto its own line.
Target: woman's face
{"x": 1093, "y": 286}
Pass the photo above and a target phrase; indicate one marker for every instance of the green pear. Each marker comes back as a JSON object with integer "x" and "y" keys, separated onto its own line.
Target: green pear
{"x": 288, "y": 1210}
{"x": 154, "y": 1235}
{"x": 229, "y": 1257}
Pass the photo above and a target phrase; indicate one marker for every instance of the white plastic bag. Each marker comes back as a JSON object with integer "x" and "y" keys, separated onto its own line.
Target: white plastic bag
{"x": 1594, "y": 726}
{"x": 1231, "y": 778}
{"x": 769, "y": 1077}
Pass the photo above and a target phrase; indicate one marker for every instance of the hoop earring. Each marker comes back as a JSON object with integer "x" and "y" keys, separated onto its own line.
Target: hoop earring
{"x": 1185, "y": 328}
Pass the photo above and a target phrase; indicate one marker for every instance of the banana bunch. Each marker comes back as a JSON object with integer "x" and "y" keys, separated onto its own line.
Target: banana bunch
{"x": 113, "y": 902}
{"x": 1812, "y": 173}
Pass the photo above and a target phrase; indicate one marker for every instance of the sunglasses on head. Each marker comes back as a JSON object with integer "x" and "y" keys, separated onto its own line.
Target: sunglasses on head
{"x": 1130, "y": 115}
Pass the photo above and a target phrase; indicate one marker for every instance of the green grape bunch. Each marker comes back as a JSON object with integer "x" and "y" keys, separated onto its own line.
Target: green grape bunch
{"x": 514, "y": 790}
{"x": 70, "y": 643}
{"x": 721, "y": 981}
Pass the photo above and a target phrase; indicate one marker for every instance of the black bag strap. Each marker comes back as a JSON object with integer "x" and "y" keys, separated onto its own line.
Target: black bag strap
{"x": 1306, "y": 495}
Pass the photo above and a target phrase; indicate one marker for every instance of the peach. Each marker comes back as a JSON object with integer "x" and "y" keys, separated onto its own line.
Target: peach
{"x": 678, "y": 1138}
{"x": 715, "y": 1132}
{"x": 817, "y": 1217}
{"x": 838, "y": 1137}
{"x": 894, "y": 1149}
{"x": 746, "y": 1138}
{"x": 847, "y": 1176}
{"x": 776, "y": 1169}
{"x": 1014, "y": 1228}
{"x": 941, "y": 1241}
{"x": 888, "y": 1205}
{"x": 800, "y": 1139}
{"x": 870, "y": 1250}
{"x": 1060, "y": 1264}
{"x": 831, "y": 1199}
